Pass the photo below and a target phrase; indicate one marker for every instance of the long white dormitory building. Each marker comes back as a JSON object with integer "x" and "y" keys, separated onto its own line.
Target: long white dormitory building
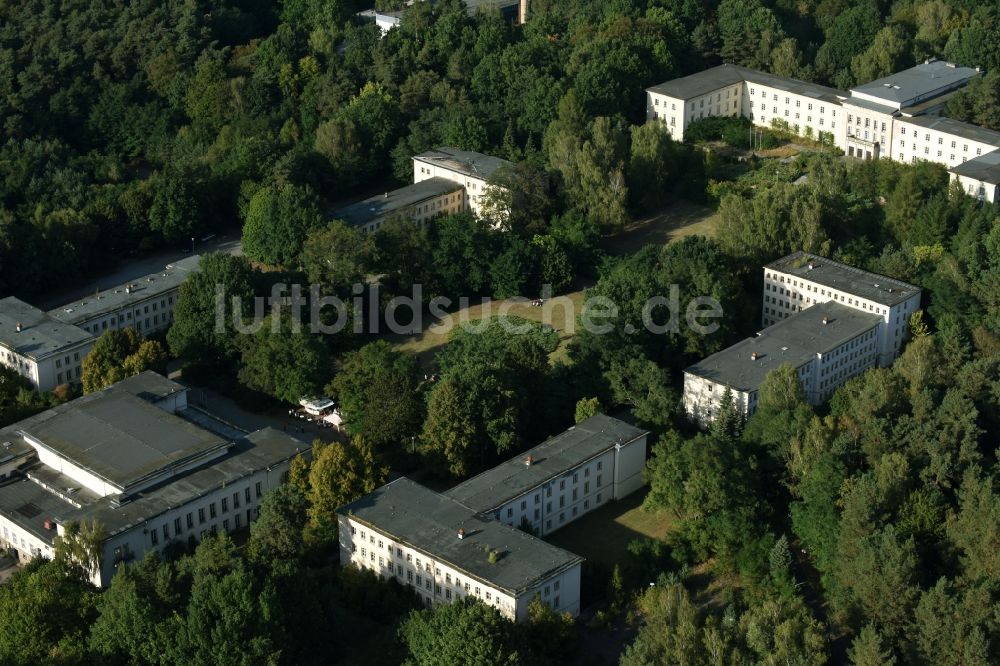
{"x": 48, "y": 348}
{"x": 136, "y": 459}
{"x": 828, "y": 320}
{"x": 466, "y": 541}
{"x": 897, "y": 117}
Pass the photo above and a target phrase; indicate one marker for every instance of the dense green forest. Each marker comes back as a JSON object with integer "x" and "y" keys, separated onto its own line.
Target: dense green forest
{"x": 862, "y": 532}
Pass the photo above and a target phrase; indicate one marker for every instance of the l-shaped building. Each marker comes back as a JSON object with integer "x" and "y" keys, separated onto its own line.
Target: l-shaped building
{"x": 479, "y": 538}
{"x": 828, "y": 320}
{"x": 898, "y": 117}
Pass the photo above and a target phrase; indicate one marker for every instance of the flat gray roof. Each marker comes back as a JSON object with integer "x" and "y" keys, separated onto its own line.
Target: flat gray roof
{"x": 956, "y": 128}
{"x": 793, "y": 340}
{"x": 985, "y": 168}
{"x": 149, "y": 386}
{"x": 468, "y": 162}
{"x": 383, "y": 205}
{"x": 119, "y": 437}
{"x": 705, "y": 81}
{"x": 428, "y": 521}
{"x": 257, "y": 451}
{"x": 40, "y": 335}
{"x": 109, "y": 300}
{"x": 28, "y": 503}
{"x": 550, "y": 459}
{"x": 916, "y": 83}
{"x": 827, "y": 272}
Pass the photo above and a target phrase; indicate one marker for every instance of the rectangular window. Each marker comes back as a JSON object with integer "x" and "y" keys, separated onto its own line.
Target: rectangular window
{"x": 201, "y": 516}
{"x": 211, "y": 510}
{"x": 154, "y": 537}
{"x": 225, "y": 505}
{"x": 190, "y": 521}
{"x": 236, "y": 500}
{"x": 177, "y": 525}
{"x": 257, "y": 488}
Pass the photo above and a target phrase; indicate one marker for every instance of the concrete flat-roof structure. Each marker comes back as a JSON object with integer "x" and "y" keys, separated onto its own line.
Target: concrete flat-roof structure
{"x": 552, "y": 458}
{"x": 29, "y": 332}
{"x": 836, "y": 275}
{"x": 120, "y": 297}
{"x": 957, "y": 128}
{"x": 467, "y": 162}
{"x": 430, "y": 522}
{"x": 139, "y": 461}
{"x": 399, "y": 201}
{"x": 916, "y": 84}
{"x": 795, "y": 340}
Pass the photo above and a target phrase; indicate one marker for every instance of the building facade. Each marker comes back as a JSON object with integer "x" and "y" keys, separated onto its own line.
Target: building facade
{"x": 482, "y": 537}
{"x": 417, "y": 203}
{"x": 800, "y": 280}
{"x": 598, "y": 460}
{"x": 137, "y": 460}
{"x": 445, "y": 551}
{"x": 830, "y": 321}
{"x": 40, "y": 348}
{"x": 146, "y": 304}
{"x": 826, "y": 345}
{"x": 469, "y": 169}
{"x": 896, "y": 117}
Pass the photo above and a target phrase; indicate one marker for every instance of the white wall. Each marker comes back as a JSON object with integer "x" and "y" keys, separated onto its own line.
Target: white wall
{"x": 977, "y": 188}
{"x": 630, "y": 460}
{"x": 438, "y": 581}
{"x": 474, "y": 188}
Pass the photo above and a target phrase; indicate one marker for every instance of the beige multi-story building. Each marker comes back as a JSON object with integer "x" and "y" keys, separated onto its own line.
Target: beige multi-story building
{"x": 599, "y": 460}
{"x": 418, "y": 203}
{"x": 145, "y": 304}
{"x": 468, "y": 168}
{"x": 800, "y": 280}
{"x": 46, "y": 351}
{"x": 138, "y": 461}
{"x": 896, "y": 117}
{"x": 446, "y": 551}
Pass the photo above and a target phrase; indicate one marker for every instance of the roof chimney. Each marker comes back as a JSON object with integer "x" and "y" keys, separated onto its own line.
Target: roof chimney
{"x": 826, "y": 320}
{"x": 18, "y": 327}
{"x": 49, "y": 524}
{"x": 811, "y": 265}
{"x": 528, "y": 461}
{"x": 386, "y": 195}
{"x": 461, "y": 532}
{"x": 753, "y": 356}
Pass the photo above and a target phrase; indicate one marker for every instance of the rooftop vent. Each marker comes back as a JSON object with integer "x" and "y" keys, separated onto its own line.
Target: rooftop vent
{"x": 18, "y": 327}
{"x": 461, "y": 532}
{"x": 811, "y": 265}
{"x": 67, "y": 309}
{"x": 826, "y": 320}
{"x": 128, "y": 289}
{"x": 6, "y": 445}
{"x": 49, "y": 524}
{"x": 529, "y": 461}
{"x": 753, "y": 356}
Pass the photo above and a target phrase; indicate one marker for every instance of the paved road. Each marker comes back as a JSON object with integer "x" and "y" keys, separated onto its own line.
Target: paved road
{"x": 135, "y": 268}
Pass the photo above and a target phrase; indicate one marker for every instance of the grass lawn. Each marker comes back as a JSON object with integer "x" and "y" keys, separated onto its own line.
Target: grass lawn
{"x": 559, "y": 312}
{"x": 676, "y": 221}
{"x": 603, "y": 535}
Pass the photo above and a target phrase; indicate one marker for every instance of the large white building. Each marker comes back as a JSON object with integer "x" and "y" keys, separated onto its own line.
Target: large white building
{"x": 137, "y": 460}
{"x": 440, "y": 544}
{"x": 48, "y": 348}
{"x": 896, "y": 117}
{"x": 46, "y": 351}
{"x": 828, "y": 320}
{"x": 145, "y": 304}
{"x": 596, "y": 461}
{"x": 468, "y": 168}
{"x": 446, "y": 551}
{"x": 800, "y": 280}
